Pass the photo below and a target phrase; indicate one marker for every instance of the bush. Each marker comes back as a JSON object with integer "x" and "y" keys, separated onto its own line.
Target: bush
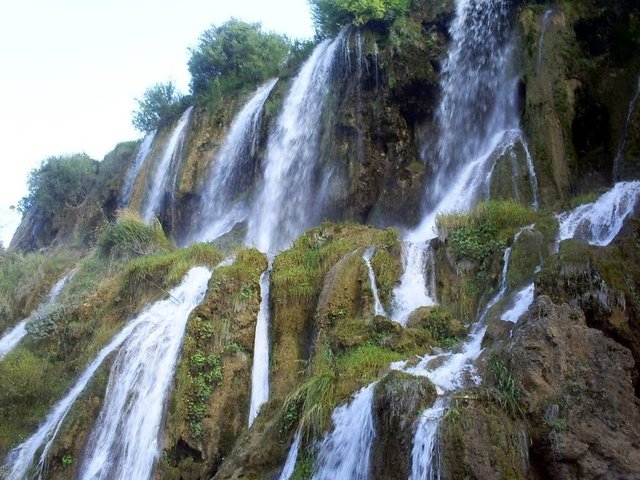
{"x": 234, "y": 56}
{"x": 22, "y": 379}
{"x": 130, "y": 237}
{"x": 158, "y": 105}
{"x": 59, "y": 182}
{"x": 44, "y": 322}
{"x": 329, "y": 15}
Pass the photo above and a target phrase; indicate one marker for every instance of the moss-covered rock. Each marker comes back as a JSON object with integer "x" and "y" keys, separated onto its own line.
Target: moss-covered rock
{"x": 399, "y": 400}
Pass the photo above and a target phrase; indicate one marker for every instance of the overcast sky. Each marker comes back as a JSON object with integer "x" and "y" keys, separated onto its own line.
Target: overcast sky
{"x": 71, "y": 70}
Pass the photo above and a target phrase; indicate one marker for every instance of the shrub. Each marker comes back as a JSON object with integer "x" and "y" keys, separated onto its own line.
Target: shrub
{"x": 22, "y": 379}
{"x": 59, "y": 182}
{"x": 158, "y": 105}
{"x": 234, "y": 56}
{"x": 329, "y": 15}
{"x": 130, "y": 237}
{"x": 44, "y": 321}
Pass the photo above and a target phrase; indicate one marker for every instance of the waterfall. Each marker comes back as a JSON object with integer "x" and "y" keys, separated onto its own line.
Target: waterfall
{"x": 546, "y": 21}
{"x": 599, "y": 222}
{"x": 423, "y": 455}
{"x": 414, "y": 289}
{"x": 224, "y": 200}
{"x": 260, "y": 369}
{"x": 522, "y": 301}
{"x": 378, "y": 309}
{"x": 346, "y": 451}
{"x": 182, "y": 299}
{"x": 132, "y": 173}
{"x": 13, "y": 336}
{"x": 166, "y": 168}
{"x": 292, "y": 457}
{"x": 288, "y": 201}
{"x": 124, "y": 442}
{"x": 618, "y": 162}
{"x": 449, "y": 371}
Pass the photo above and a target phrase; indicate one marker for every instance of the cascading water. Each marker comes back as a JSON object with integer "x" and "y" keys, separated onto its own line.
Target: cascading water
{"x": 289, "y": 202}
{"x": 345, "y": 452}
{"x": 618, "y": 162}
{"x": 165, "y": 169}
{"x": 134, "y": 170}
{"x": 292, "y": 457}
{"x": 378, "y": 309}
{"x": 124, "y": 442}
{"x": 260, "y": 369}
{"x": 181, "y": 301}
{"x": 477, "y": 118}
{"x": 12, "y": 337}
{"x": 546, "y": 21}
{"x": 224, "y": 200}
{"x": 599, "y": 222}
{"x": 423, "y": 461}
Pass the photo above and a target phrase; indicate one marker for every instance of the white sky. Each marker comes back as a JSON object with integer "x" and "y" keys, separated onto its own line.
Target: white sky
{"x": 71, "y": 70}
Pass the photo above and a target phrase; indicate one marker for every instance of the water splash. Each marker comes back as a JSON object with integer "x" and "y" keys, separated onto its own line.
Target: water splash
{"x": 260, "y": 369}
{"x": 224, "y": 200}
{"x": 12, "y": 337}
{"x": 546, "y": 21}
{"x": 292, "y": 457}
{"x": 20, "y": 459}
{"x": 618, "y": 162}
{"x": 166, "y": 169}
{"x": 346, "y": 451}
{"x": 521, "y": 303}
{"x": 599, "y": 222}
{"x": 288, "y": 202}
{"x": 134, "y": 170}
{"x": 378, "y": 309}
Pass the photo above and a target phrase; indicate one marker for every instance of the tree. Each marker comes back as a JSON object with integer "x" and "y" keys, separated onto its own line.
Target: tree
{"x": 158, "y": 104}
{"x": 59, "y": 182}
{"x": 233, "y": 56}
{"x": 329, "y": 15}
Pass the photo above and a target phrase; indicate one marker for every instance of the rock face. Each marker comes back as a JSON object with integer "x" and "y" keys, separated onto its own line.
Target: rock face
{"x": 578, "y": 395}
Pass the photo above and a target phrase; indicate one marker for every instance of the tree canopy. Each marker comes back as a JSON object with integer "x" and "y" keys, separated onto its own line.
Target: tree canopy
{"x": 62, "y": 181}
{"x": 235, "y": 55}
{"x": 158, "y": 103}
{"x": 329, "y": 15}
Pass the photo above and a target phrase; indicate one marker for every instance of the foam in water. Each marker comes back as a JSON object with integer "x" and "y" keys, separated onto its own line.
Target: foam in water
{"x": 599, "y": 222}
{"x": 546, "y": 21}
{"x": 260, "y": 369}
{"x": 345, "y": 452}
{"x": 168, "y": 163}
{"x": 618, "y": 162}
{"x": 292, "y": 457}
{"x": 182, "y": 300}
{"x": 134, "y": 170}
{"x": 288, "y": 201}
{"x": 12, "y": 337}
{"x": 378, "y": 309}
{"x": 224, "y": 200}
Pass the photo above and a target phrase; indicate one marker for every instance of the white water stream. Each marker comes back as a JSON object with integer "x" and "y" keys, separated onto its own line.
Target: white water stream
{"x": 134, "y": 170}
{"x": 225, "y": 201}
{"x": 175, "y": 309}
{"x": 292, "y": 457}
{"x": 260, "y": 369}
{"x": 12, "y": 337}
{"x": 163, "y": 172}
{"x": 289, "y": 200}
{"x": 378, "y": 309}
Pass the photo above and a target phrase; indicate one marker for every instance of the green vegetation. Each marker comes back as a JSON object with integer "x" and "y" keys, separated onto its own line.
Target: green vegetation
{"x": 59, "y": 183}
{"x": 130, "y": 237}
{"x": 234, "y": 56}
{"x": 505, "y": 389}
{"x": 158, "y": 106}
{"x": 329, "y": 15}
